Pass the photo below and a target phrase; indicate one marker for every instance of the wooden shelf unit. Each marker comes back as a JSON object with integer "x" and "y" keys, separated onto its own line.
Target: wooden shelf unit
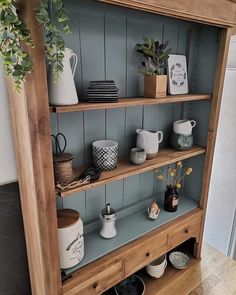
{"x": 129, "y": 102}
{"x": 125, "y": 168}
{"x": 30, "y": 116}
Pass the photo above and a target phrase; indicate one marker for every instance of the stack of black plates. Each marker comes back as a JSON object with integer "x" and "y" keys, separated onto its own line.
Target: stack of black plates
{"x": 102, "y": 91}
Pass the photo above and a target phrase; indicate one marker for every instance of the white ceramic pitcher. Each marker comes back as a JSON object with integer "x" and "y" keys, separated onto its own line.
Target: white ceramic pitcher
{"x": 63, "y": 91}
{"x": 149, "y": 140}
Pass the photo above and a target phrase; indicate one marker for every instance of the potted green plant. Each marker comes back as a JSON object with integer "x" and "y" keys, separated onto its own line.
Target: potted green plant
{"x": 13, "y": 33}
{"x": 156, "y": 55}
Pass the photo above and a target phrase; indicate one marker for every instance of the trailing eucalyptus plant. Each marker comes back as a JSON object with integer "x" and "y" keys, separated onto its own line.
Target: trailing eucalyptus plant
{"x": 13, "y": 33}
{"x": 155, "y": 54}
{"x": 54, "y": 43}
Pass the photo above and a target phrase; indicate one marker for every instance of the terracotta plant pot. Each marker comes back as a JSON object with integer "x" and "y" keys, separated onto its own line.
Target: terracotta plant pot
{"x": 155, "y": 86}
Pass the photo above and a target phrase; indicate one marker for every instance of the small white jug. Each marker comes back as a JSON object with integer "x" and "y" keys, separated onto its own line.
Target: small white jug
{"x": 149, "y": 140}
{"x": 63, "y": 91}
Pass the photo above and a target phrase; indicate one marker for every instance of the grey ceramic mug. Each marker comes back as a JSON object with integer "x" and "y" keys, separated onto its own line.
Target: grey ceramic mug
{"x": 138, "y": 156}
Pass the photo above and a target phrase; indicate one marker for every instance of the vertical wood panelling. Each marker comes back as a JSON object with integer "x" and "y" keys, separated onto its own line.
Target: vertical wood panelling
{"x": 207, "y": 57}
{"x": 73, "y": 42}
{"x": 200, "y": 112}
{"x": 115, "y": 128}
{"x": 115, "y": 67}
{"x": 165, "y": 123}
{"x": 71, "y": 125}
{"x": 159, "y": 186}
{"x": 59, "y": 202}
{"x": 76, "y": 202}
{"x": 171, "y": 33}
{"x": 115, "y": 51}
{"x": 136, "y": 31}
{"x": 104, "y": 40}
{"x": 114, "y": 194}
{"x": 92, "y": 47}
{"x": 133, "y": 121}
{"x": 95, "y": 202}
{"x": 146, "y": 185}
{"x": 193, "y": 182}
{"x": 166, "y": 117}
{"x": 131, "y": 190}
{"x": 94, "y": 124}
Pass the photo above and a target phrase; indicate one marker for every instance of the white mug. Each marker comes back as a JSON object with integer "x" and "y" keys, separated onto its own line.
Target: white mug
{"x": 184, "y": 127}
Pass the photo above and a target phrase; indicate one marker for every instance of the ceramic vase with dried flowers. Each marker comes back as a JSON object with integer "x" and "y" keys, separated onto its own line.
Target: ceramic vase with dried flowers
{"x": 173, "y": 183}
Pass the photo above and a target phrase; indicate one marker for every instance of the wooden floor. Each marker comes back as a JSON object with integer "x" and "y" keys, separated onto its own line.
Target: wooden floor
{"x": 214, "y": 274}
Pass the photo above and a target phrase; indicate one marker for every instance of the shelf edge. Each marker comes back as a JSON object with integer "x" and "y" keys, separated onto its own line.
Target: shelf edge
{"x": 139, "y": 170}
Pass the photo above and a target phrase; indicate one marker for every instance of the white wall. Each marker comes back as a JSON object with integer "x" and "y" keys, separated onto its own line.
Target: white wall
{"x": 7, "y": 159}
{"x": 222, "y": 196}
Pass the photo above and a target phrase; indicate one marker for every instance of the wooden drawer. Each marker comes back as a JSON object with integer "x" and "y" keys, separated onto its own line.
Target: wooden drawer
{"x": 184, "y": 230}
{"x": 97, "y": 283}
{"x": 145, "y": 253}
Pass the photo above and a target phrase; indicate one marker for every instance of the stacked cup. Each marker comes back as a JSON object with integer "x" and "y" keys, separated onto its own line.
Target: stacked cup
{"x": 182, "y": 138}
{"x": 184, "y": 127}
{"x": 156, "y": 269}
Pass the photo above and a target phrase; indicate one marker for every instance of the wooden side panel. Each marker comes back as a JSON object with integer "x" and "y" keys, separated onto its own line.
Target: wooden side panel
{"x": 225, "y": 35}
{"x": 220, "y": 12}
{"x": 31, "y": 129}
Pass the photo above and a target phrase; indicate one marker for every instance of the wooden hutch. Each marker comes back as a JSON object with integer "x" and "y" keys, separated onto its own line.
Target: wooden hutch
{"x": 201, "y": 30}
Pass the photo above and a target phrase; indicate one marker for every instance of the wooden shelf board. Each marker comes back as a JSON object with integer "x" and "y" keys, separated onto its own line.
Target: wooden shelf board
{"x": 129, "y": 102}
{"x": 125, "y": 168}
{"x": 129, "y": 228}
{"x": 162, "y": 285}
{"x": 171, "y": 277}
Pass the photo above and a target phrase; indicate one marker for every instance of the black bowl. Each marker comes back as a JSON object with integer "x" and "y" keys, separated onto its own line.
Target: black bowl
{"x": 133, "y": 285}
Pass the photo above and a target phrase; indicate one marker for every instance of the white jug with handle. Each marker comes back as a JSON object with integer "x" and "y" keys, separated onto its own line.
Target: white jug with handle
{"x": 149, "y": 140}
{"x": 63, "y": 91}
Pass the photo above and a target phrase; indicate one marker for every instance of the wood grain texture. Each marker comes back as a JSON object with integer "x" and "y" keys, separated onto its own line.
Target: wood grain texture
{"x": 31, "y": 129}
{"x": 147, "y": 248}
{"x": 220, "y": 12}
{"x": 214, "y": 274}
{"x": 225, "y": 36}
{"x": 129, "y": 102}
{"x": 125, "y": 168}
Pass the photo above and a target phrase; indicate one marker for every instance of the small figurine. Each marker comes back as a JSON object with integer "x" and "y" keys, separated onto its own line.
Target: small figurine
{"x": 153, "y": 210}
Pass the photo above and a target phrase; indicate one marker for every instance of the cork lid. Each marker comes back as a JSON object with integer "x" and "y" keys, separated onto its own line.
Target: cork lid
{"x": 67, "y": 217}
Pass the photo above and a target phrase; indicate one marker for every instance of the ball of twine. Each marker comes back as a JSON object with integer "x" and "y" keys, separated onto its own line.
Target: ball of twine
{"x": 63, "y": 171}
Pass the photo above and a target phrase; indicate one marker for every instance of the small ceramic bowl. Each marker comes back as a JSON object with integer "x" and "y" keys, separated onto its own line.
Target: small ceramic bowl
{"x": 133, "y": 285}
{"x": 179, "y": 260}
{"x": 156, "y": 269}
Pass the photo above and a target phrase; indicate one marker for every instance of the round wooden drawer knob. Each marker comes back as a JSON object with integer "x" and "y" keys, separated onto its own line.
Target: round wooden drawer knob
{"x": 97, "y": 287}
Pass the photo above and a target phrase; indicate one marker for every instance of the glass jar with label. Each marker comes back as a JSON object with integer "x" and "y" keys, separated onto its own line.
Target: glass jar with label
{"x": 171, "y": 199}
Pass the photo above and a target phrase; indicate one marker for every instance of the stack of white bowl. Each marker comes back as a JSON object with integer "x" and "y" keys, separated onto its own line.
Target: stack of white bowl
{"x": 156, "y": 269}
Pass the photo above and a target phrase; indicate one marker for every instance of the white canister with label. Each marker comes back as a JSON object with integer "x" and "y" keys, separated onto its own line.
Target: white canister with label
{"x": 70, "y": 237}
